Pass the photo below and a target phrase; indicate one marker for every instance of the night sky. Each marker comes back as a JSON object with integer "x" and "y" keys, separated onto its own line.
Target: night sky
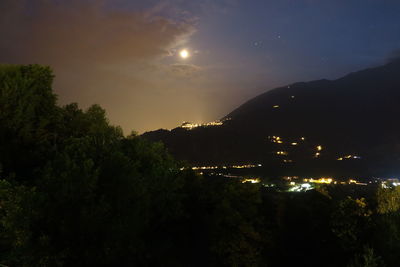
{"x": 125, "y": 55}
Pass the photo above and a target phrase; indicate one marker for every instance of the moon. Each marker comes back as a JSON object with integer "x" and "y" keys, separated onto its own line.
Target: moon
{"x": 184, "y": 53}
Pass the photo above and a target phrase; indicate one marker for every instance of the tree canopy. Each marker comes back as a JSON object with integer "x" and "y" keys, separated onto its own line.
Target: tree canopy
{"x": 74, "y": 191}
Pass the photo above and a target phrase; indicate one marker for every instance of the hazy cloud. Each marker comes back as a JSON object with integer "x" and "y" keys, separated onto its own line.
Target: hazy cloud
{"x": 86, "y": 31}
{"x": 187, "y": 70}
{"x": 123, "y": 55}
{"x": 107, "y": 54}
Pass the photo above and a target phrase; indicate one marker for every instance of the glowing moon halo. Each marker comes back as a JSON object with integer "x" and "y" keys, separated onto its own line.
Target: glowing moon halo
{"x": 184, "y": 53}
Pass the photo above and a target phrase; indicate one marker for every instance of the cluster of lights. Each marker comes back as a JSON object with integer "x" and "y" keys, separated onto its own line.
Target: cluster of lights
{"x": 309, "y": 183}
{"x": 305, "y": 185}
{"x": 391, "y": 182}
{"x": 251, "y": 180}
{"x": 325, "y": 180}
{"x": 349, "y": 157}
{"x": 318, "y": 154}
{"x": 275, "y": 139}
{"x": 289, "y": 178}
{"x": 206, "y": 168}
{"x": 322, "y": 180}
{"x": 190, "y": 126}
{"x": 301, "y": 187}
{"x": 246, "y": 166}
{"x": 278, "y": 140}
{"x": 318, "y": 148}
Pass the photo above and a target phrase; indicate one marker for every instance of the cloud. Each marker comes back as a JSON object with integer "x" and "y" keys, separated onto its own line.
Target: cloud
{"x": 86, "y": 32}
{"x": 120, "y": 54}
{"x": 186, "y": 70}
{"x": 114, "y": 53}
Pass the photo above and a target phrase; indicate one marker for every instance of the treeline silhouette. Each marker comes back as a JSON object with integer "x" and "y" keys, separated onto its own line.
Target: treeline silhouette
{"x": 74, "y": 191}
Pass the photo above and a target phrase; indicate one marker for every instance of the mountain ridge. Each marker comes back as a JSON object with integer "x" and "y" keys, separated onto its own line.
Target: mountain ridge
{"x": 354, "y": 114}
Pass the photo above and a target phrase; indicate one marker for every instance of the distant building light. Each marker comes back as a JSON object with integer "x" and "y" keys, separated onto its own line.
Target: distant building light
{"x": 283, "y": 153}
{"x": 190, "y": 126}
{"x": 349, "y": 157}
{"x": 319, "y": 181}
{"x": 251, "y": 180}
{"x": 301, "y": 188}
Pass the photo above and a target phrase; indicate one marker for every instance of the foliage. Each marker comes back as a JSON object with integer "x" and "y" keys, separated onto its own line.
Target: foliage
{"x": 323, "y": 190}
{"x": 74, "y": 191}
{"x": 388, "y": 200}
{"x": 366, "y": 258}
{"x": 232, "y": 223}
{"x": 350, "y": 221}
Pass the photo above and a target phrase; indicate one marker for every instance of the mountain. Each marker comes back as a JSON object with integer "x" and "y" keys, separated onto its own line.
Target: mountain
{"x": 348, "y": 126}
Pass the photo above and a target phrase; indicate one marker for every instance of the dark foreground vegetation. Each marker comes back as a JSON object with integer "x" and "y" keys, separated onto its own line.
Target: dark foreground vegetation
{"x": 75, "y": 192}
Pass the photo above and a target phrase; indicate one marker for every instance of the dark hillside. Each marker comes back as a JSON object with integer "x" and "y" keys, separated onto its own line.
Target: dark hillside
{"x": 354, "y": 115}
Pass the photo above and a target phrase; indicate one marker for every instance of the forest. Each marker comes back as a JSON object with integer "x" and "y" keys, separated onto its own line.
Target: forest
{"x": 76, "y": 191}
